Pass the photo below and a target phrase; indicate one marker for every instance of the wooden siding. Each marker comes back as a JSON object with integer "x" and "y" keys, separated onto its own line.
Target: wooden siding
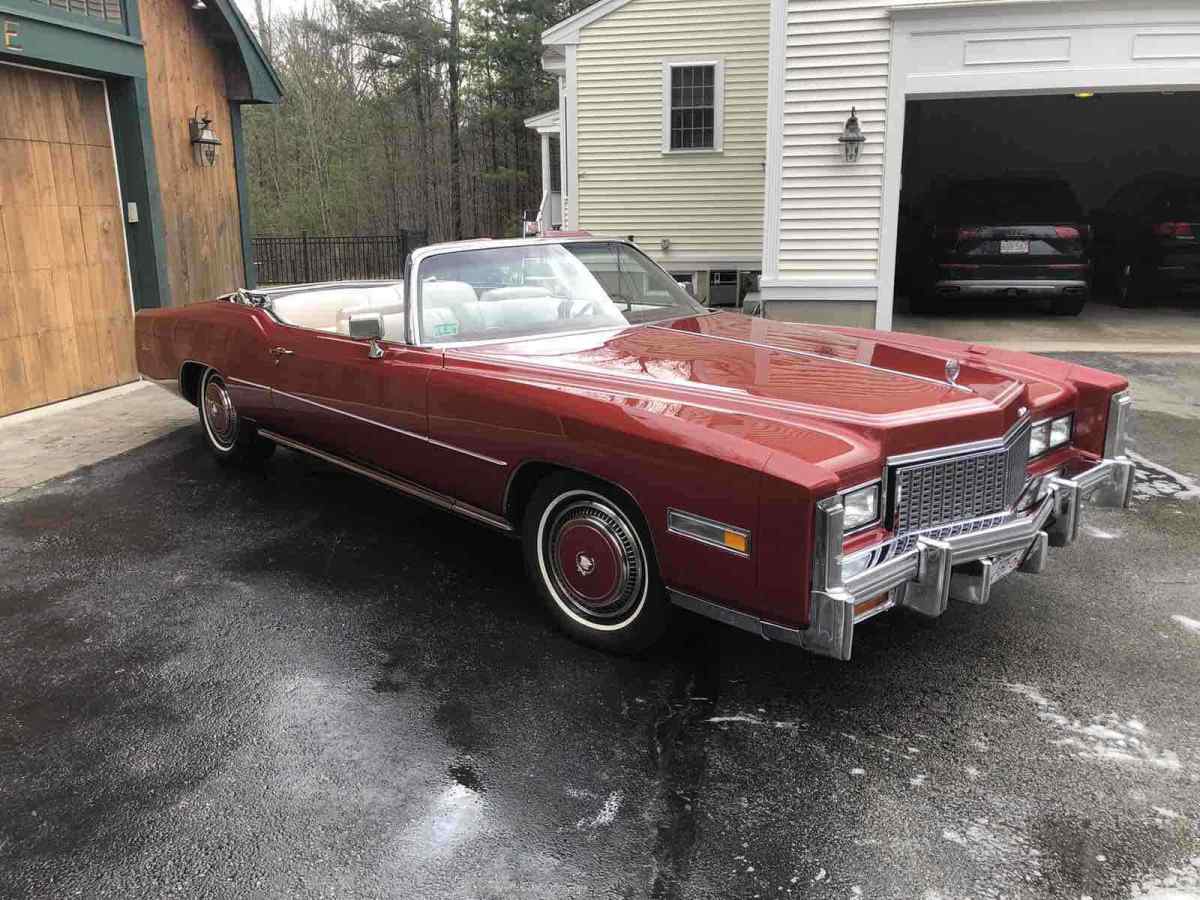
{"x": 710, "y": 205}
{"x": 200, "y": 205}
{"x": 66, "y": 318}
{"x": 838, "y": 53}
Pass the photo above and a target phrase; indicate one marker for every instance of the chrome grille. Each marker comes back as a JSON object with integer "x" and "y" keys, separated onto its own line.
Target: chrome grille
{"x": 906, "y": 542}
{"x": 960, "y": 487}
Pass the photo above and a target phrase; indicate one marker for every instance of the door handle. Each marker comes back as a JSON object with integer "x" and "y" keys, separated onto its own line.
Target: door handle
{"x": 282, "y": 351}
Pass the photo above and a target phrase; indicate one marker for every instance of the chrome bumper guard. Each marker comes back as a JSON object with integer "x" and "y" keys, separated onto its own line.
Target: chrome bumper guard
{"x": 925, "y": 577}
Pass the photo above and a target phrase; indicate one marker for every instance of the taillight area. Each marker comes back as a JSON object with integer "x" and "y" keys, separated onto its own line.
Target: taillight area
{"x": 1173, "y": 229}
{"x": 1067, "y": 232}
{"x": 968, "y": 234}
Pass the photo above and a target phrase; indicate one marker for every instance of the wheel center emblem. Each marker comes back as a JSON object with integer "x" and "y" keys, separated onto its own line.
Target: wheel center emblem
{"x": 585, "y": 564}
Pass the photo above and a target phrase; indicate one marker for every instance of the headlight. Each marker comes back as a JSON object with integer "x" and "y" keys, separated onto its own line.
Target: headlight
{"x": 1050, "y": 434}
{"x": 1060, "y": 431}
{"x": 1039, "y": 439}
{"x": 861, "y": 506}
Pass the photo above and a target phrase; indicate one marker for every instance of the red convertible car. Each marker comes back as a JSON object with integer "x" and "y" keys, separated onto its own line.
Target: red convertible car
{"x": 790, "y": 480}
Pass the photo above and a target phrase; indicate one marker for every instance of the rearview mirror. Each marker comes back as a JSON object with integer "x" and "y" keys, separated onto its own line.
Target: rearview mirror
{"x": 366, "y": 326}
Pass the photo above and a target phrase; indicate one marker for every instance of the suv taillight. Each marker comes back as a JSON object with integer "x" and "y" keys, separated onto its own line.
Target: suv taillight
{"x": 1067, "y": 232}
{"x": 1172, "y": 229}
{"x": 968, "y": 234}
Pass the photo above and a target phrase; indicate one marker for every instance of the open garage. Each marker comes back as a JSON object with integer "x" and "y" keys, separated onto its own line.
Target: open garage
{"x": 1040, "y": 161}
{"x": 1113, "y": 174}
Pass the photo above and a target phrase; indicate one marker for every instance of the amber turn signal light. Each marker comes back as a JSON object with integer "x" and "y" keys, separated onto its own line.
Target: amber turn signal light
{"x": 736, "y": 541}
{"x": 865, "y": 607}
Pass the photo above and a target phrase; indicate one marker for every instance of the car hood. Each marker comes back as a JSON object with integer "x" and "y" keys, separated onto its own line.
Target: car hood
{"x": 893, "y": 397}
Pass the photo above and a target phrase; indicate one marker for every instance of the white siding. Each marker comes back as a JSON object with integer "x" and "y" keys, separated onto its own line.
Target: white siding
{"x": 710, "y": 205}
{"x": 837, "y": 56}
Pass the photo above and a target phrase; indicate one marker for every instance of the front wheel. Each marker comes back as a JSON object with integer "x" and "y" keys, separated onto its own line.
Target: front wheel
{"x": 590, "y": 557}
{"x": 230, "y": 437}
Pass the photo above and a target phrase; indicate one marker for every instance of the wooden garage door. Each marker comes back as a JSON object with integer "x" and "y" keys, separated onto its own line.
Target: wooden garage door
{"x": 66, "y": 322}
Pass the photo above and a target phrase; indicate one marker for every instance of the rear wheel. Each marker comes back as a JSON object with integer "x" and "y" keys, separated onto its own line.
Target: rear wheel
{"x": 591, "y": 559}
{"x": 231, "y": 438}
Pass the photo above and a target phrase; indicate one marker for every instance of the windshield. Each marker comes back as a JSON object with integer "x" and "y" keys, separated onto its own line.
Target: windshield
{"x": 543, "y": 288}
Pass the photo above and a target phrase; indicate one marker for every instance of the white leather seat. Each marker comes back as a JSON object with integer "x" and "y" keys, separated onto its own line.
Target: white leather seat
{"x": 321, "y": 309}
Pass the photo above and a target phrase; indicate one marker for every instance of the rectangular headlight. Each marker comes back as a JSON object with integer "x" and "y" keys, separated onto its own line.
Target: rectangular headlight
{"x": 1050, "y": 434}
{"x": 861, "y": 506}
{"x": 1039, "y": 439}
{"x": 1060, "y": 431}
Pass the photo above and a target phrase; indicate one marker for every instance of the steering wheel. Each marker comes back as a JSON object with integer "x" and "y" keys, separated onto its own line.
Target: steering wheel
{"x": 566, "y": 312}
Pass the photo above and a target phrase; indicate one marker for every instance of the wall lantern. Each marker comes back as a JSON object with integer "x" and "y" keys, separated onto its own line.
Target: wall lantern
{"x": 205, "y": 142}
{"x": 852, "y": 138}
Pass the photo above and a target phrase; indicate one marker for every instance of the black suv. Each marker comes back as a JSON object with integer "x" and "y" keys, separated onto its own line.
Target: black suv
{"x": 1015, "y": 237}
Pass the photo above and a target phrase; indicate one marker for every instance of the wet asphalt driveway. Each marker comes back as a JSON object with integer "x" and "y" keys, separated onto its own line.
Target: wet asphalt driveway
{"x": 292, "y": 683}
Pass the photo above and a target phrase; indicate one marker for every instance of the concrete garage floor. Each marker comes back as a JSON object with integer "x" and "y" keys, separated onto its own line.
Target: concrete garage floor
{"x": 289, "y": 683}
{"x": 1102, "y": 326}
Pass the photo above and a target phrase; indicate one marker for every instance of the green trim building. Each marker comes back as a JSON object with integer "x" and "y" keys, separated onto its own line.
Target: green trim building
{"x": 111, "y": 40}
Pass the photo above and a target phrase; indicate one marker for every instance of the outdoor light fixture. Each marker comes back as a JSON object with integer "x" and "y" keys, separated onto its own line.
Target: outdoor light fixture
{"x": 1085, "y": 95}
{"x": 205, "y": 142}
{"x": 852, "y": 138}
{"x": 199, "y": 5}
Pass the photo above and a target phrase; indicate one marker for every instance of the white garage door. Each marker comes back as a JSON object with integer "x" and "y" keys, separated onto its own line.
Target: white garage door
{"x": 997, "y": 50}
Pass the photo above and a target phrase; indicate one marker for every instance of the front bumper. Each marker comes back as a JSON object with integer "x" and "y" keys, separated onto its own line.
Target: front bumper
{"x": 925, "y": 575}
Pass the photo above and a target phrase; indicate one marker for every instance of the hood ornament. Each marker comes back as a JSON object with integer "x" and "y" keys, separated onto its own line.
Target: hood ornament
{"x": 952, "y": 370}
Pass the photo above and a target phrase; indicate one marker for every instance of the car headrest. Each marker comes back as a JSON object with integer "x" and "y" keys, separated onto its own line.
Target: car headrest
{"x": 446, "y": 294}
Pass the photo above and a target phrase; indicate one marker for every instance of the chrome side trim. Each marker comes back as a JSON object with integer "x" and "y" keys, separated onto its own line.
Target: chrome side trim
{"x": 439, "y": 500}
{"x": 243, "y": 381}
{"x": 745, "y": 621}
{"x": 465, "y": 452}
{"x": 683, "y": 524}
{"x": 849, "y": 362}
{"x": 403, "y": 431}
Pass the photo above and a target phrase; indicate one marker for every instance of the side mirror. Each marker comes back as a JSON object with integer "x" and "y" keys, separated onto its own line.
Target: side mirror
{"x": 368, "y": 327}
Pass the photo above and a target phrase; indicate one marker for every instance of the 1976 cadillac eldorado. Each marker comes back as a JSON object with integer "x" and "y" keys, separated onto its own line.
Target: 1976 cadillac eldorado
{"x": 790, "y": 480}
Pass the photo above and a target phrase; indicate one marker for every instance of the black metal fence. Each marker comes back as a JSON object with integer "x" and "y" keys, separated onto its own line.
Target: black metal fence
{"x": 299, "y": 260}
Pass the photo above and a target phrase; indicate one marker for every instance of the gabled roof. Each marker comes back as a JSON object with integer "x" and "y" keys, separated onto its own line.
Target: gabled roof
{"x": 543, "y": 121}
{"x": 567, "y": 31}
{"x": 262, "y": 83}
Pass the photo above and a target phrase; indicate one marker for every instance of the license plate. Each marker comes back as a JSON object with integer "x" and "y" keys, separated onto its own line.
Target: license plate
{"x": 1014, "y": 246}
{"x": 1005, "y": 565}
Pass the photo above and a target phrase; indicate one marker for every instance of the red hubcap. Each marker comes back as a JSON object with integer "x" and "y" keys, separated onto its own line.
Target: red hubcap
{"x": 589, "y": 561}
{"x": 592, "y": 558}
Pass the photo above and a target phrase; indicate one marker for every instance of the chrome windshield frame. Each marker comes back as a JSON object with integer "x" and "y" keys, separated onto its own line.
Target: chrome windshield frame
{"x": 412, "y": 317}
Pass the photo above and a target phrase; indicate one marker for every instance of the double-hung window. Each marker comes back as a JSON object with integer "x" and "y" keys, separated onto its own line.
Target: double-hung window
{"x": 692, "y": 106}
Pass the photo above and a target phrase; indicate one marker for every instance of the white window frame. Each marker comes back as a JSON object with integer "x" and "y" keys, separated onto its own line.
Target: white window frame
{"x": 718, "y": 66}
